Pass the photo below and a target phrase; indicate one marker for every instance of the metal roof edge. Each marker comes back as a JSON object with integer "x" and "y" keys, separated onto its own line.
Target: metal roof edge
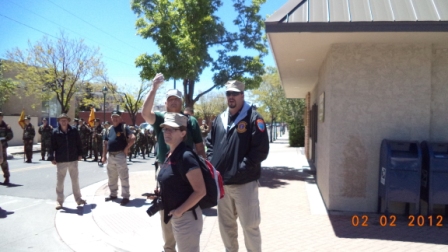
{"x": 284, "y": 11}
{"x": 377, "y": 26}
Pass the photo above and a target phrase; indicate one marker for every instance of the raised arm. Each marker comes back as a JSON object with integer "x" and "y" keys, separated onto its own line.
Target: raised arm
{"x": 147, "y": 112}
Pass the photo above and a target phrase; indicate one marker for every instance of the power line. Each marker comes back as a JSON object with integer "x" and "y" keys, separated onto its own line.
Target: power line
{"x": 94, "y": 26}
{"x": 66, "y": 28}
{"x": 28, "y": 26}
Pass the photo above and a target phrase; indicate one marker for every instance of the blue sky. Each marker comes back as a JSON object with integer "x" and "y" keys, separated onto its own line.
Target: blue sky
{"x": 107, "y": 24}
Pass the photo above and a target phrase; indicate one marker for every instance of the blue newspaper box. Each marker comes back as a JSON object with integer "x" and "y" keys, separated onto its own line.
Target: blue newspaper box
{"x": 400, "y": 173}
{"x": 434, "y": 188}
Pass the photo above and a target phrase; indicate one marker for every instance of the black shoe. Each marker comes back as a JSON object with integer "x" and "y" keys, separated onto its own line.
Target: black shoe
{"x": 6, "y": 182}
{"x": 85, "y": 159}
{"x": 124, "y": 201}
{"x": 111, "y": 198}
{"x": 95, "y": 160}
{"x": 28, "y": 161}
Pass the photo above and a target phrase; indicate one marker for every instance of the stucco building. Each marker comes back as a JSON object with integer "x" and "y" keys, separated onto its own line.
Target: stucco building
{"x": 369, "y": 70}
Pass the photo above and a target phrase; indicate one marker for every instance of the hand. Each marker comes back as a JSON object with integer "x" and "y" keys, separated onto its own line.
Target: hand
{"x": 53, "y": 162}
{"x": 175, "y": 213}
{"x": 158, "y": 80}
{"x": 79, "y": 158}
{"x": 104, "y": 160}
{"x": 126, "y": 151}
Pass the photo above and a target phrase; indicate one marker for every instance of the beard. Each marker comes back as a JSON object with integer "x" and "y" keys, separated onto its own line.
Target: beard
{"x": 231, "y": 104}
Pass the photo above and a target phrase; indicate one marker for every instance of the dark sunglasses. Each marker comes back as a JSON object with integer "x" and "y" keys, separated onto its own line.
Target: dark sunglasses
{"x": 232, "y": 93}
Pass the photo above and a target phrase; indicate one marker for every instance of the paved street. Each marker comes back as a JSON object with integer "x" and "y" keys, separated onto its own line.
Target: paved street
{"x": 294, "y": 217}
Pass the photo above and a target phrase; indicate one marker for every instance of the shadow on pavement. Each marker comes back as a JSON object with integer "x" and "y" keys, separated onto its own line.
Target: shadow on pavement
{"x": 4, "y": 213}
{"x": 274, "y": 177}
{"x": 11, "y": 185}
{"x": 80, "y": 210}
{"x": 402, "y": 231}
{"x": 137, "y": 202}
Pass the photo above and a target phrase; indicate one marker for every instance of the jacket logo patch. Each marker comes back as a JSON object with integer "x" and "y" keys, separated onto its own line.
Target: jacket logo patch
{"x": 260, "y": 125}
{"x": 241, "y": 128}
{"x": 118, "y": 134}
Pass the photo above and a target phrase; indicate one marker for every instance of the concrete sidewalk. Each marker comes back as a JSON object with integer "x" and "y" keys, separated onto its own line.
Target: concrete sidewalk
{"x": 294, "y": 217}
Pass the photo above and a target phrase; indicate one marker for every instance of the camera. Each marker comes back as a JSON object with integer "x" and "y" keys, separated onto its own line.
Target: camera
{"x": 155, "y": 206}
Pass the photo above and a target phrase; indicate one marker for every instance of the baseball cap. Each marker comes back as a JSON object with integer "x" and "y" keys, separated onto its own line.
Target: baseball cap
{"x": 173, "y": 92}
{"x": 174, "y": 120}
{"x": 27, "y": 117}
{"x": 234, "y": 85}
{"x": 116, "y": 113}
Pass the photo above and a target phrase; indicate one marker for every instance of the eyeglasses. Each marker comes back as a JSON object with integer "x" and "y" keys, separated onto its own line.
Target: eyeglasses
{"x": 169, "y": 130}
{"x": 232, "y": 93}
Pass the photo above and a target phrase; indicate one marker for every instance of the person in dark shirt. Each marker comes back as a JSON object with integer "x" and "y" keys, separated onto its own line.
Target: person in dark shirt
{"x": 118, "y": 141}
{"x": 236, "y": 146}
{"x": 65, "y": 152}
{"x": 181, "y": 185}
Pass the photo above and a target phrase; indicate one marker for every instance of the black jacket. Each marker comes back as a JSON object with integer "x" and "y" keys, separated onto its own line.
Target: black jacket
{"x": 65, "y": 147}
{"x": 237, "y": 153}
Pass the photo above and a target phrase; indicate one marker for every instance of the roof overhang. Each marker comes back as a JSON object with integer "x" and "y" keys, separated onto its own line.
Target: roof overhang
{"x": 299, "y": 55}
{"x": 300, "y": 33}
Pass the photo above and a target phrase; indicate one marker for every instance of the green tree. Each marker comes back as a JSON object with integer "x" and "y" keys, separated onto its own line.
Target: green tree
{"x": 7, "y": 86}
{"x": 188, "y": 31}
{"x": 58, "y": 68}
{"x": 271, "y": 97}
{"x": 294, "y": 116}
{"x": 210, "y": 106}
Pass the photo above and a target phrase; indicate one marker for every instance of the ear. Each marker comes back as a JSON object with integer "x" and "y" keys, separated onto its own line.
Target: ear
{"x": 183, "y": 133}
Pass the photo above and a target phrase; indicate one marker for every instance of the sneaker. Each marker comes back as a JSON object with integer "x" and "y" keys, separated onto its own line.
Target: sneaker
{"x": 82, "y": 202}
{"x": 110, "y": 198}
{"x": 6, "y": 182}
{"x": 124, "y": 201}
{"x": 58, "y": 206}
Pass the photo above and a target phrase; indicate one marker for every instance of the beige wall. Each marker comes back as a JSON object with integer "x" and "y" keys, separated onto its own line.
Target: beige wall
{"x": 13, "y": 121}
{"x": 372, "y": 92}
{"x": 439, "y": 94}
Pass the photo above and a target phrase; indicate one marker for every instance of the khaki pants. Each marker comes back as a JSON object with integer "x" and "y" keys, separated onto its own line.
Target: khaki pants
{"x": 187, "y": 230}
{"x": 72, "y": 168}
{"x": 118, "y": 167}
{"x": 240, "y": 201}
{"x": 168, "y": 235}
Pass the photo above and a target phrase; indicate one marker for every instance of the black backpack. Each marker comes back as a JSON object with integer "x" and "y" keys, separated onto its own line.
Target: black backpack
{"x": 212, "y": 178}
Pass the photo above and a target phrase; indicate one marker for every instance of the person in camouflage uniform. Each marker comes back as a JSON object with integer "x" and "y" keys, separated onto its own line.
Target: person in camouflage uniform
{"x": 45, "y": 131}
{"x": 97, "y": 139}
{"x": 84, "y": 133}
{"x": 28, "y": 138}
{"x": 132, "y": 150}
{"x": 150, "y": 141}
{"x": 5, "y": 136}
{"x": 141, "y": 143}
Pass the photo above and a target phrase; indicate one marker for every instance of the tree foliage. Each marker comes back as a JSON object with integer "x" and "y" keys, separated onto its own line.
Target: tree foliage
{"x": 7, "y": 86}
{"x": 58, "y": 68}
{"x": 275, "y": 107}
{"x": 187, "y": 32}
{"x": 210, "y": 105}
{"x": 271, "y": 97}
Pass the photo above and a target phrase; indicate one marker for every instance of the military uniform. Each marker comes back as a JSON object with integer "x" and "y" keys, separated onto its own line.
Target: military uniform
{"x": 45, "y": 131}
{"x": 28, "y": 138}
{"x": 204, "y": 131}
{"x": 141, "y": 144}
{"x": 5, "y": 136}
{"x": 150, "y": 141}
{"x": 132, "y": 150}
{"x": 97, "y": 138}
{"x": 84, "y": 133}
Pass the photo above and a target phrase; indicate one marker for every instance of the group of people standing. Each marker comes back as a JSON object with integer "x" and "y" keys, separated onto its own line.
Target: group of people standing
{"x": 237, "y": 143}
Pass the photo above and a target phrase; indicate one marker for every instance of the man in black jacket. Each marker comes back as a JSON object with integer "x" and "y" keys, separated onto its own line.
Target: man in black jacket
{"x": 65, "y": 152}
{"x": 236, "y": 146}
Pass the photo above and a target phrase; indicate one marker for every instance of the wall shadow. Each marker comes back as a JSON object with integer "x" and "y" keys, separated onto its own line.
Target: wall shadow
{"x": 277, "y": 176}
{"x": 402, "y": 231}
